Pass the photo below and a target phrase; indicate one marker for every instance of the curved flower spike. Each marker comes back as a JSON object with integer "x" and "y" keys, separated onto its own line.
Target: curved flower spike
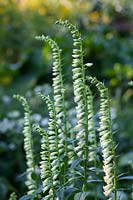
{"x": 106, "y": 140}
{"x": 28, "y": 145}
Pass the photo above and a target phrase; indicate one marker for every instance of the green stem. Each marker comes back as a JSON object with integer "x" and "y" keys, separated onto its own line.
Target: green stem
{"x": 51, "y": 175}
{"x": 86, "y": 117}
{"x": 66, "y": 141}
{"x": 95, "y": 165}
{"x": 57, "y": 143}
{"x": 115, "y": 173}
{"x": 114, "y": 156}
{"x": 65, "y": 124}
{"x": 95, "y": 194}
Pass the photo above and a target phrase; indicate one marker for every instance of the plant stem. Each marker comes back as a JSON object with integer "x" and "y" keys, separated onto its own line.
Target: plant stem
{"x": 57, "y": 143}
{"x": 50, "y": 167}
{"x": 114, "y": 156}
{"x": 86, "y": 117}
{"x": 65, "y": 124}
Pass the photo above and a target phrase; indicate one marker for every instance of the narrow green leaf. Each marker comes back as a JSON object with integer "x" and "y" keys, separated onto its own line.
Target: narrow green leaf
{"x": 81, "y": 196}
{"x": 126, "y": 178}
{"x": 25, "y": 197}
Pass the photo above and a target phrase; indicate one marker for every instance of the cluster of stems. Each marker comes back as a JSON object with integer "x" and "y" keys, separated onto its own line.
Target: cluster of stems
{"x": 58, "y": 150}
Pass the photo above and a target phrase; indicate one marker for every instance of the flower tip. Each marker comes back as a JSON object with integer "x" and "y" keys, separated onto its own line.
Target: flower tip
{"x": 58, "y": 21}
{"x": 38, "y": 37}
{"x": 88, "y": 64}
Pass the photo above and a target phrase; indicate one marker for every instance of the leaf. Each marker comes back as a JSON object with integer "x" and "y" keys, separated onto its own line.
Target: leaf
{"x": 122, "y": 174}
{"x": 80, "y": 174}
{"x": 94, "y": 180}
{"x": 75, "y": 163}
{"x": 25, "y": 197}
{"x": 22, "y": 176}
{"x": 70, "y": 191}
{"x": 122, "y": 195}
{"x": 37, "y": 191}
{"x": 98, "y": 170}
{"x": 34, "y": 176}
{"x": 60, "y": 194}
{"x": 126, "y": 178}
{"x": 81, "y": 196}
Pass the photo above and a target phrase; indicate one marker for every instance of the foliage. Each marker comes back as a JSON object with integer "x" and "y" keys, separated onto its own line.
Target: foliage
{"x": 69, "y": 161}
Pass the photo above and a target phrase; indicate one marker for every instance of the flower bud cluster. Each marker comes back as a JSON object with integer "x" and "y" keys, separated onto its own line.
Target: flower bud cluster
{"x": 28, "y": 145}
{"x": 48, "y": 165}
{"x": 105, "y": 133}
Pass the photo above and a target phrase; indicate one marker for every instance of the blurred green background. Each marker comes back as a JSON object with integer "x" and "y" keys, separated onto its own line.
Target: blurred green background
{"x": 26, "y": 68}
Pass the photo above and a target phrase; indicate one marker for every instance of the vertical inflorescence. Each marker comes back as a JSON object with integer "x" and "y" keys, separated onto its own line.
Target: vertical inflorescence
{"x": 92, "y": 129}
{"x": 78, "y": 84}
{"x": 52, "y": 149}
{"x": 49, "y": 181}
{"x": 81, "y": 97}
{"x": 106, "y": 140}
{"x": 56, "y": 149}
{"x": 59, "y": 103}
{"x": 57, "y": 153}
{"x": 28, "y": 145}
